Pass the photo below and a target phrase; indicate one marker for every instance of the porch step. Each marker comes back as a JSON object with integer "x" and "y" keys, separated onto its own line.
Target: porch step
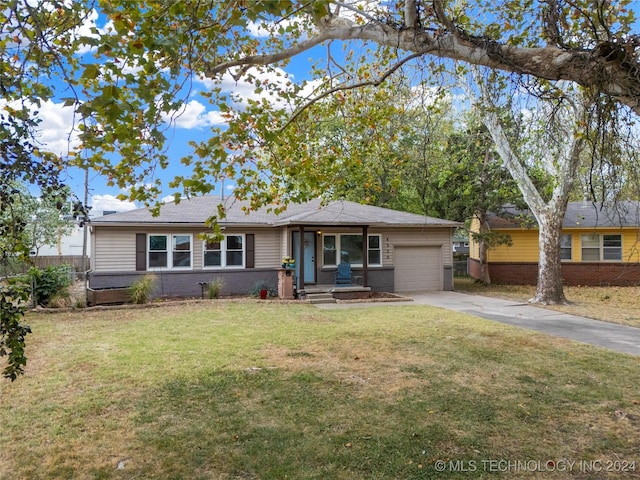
{"x": 320, "y": 298}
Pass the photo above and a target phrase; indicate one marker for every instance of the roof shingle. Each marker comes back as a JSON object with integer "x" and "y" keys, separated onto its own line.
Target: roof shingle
{"x": 197, "y": 210}
{"x": 578, "y": 215}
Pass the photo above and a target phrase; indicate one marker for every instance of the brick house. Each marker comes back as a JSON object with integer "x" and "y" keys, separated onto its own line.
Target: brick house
{"x": 599, "y": 246}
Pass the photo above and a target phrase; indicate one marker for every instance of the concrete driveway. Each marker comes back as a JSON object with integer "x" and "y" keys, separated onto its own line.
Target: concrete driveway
{"x": 602, "y": 334}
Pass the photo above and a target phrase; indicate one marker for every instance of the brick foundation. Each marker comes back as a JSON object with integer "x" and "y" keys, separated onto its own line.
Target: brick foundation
{"x": 591, "y": 274}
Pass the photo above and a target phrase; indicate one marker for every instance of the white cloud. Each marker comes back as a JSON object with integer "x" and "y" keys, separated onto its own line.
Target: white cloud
{"x": 194, "y": 115}
{"x": 258, "y": 29}
{"x": 56, "y": 132}
{"x": 244, "y": 89}
{"x": 262, "y": 29}
{"x": 86, "y": 30}
{"x": 101, "y": 203}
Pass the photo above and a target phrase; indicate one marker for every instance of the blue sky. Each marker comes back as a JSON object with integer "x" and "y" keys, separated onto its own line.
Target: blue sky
{"x": 56, "y": 130}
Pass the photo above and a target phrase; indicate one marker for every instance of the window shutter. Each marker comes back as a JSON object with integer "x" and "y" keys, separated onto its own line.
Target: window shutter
{"x": 250, "y": 250}
{"x": 141, "y": 251}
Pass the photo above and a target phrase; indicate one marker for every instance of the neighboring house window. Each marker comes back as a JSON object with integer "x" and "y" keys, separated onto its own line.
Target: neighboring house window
{"x": 226, "y": 253}
{"x": 565, "y": 247}
{"x": 158, "y": 254}
{"x": 601, "y": 247}
{"x": 612, "y": 247}
{"x": 348, "y": 247}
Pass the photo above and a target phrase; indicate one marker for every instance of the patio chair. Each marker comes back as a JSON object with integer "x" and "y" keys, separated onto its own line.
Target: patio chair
{"x": 343, "y": 274}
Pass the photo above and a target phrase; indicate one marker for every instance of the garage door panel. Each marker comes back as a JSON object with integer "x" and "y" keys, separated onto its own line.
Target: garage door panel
{"x": 417, "y": 268}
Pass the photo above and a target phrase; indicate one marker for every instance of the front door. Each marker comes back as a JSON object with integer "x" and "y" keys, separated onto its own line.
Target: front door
{"x": 309, "y": 255}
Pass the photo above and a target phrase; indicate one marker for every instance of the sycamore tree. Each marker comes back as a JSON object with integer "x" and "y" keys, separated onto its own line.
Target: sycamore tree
{"x": 553, "y": 141}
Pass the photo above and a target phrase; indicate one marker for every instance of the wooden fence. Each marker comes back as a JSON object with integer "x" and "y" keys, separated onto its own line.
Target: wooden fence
{"x": 74, "y": 261}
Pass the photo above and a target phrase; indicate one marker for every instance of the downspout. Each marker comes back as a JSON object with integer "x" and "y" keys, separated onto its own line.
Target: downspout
{"x": 365, "y": 256}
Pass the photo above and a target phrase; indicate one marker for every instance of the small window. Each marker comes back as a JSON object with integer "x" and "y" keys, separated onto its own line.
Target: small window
{"x": 235, "y": 251}
{"x": 158, "y": 254}
{"x": 374, "y": 251}
{"x": 590, "y": 248}
{"x": 212, "y": 254}
{"x": 329, "y": 250}
{"x": 612, "y": 247}
{"x": 181, "y": 257}
{"x": 226, "y": 253}
{"x": 565, "y": 247}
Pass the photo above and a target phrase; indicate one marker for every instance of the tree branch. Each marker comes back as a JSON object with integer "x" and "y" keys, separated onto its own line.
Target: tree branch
{"x": 410, "y": 13}
{"x": 596, "y": 69}
{"x": 511, "y": 161}
{"x": 343, "y": 88}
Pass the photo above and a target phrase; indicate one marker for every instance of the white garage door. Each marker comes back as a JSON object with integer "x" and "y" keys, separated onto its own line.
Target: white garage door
{"x": 417, "y": 268}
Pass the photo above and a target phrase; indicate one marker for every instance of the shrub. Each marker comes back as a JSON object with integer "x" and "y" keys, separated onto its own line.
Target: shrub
{"x": 141, "y": 290}
{"x": 46, "y": 283}
{"x": 61, "y": 299}
{"x": 272, "y": 290}
{"x": 215, "y": 287}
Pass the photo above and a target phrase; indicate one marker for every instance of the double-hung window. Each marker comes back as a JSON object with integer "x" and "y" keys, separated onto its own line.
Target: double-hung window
{"x": 169, "y": 251}
{"x": 596, "y": 248}
{"x": 226, "y": 253}
{"x": 347, "y": 247}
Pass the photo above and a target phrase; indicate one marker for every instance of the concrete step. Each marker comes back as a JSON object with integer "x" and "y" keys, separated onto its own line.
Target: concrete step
{"x": 320, "y": 298}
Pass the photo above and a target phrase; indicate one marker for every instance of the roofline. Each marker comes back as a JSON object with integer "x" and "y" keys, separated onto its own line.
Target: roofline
{"x": 287, "y": 223}
{"x": 275, "y": 224}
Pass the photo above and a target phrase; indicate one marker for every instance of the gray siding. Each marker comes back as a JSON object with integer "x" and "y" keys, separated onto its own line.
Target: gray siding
{"x": 441, "y": 237}
{"x": 115, "y": 250}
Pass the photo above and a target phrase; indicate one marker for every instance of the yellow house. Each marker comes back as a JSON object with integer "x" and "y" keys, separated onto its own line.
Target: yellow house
{"x": 600, "y": 245}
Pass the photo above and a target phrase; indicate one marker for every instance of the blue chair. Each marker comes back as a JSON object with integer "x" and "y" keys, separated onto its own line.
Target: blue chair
{"x": 343, "y": 274}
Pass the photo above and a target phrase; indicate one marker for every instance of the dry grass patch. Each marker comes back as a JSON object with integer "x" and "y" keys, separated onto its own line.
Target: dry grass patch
{"x": 611, "y": 304}
{"x": 271, "y": 391}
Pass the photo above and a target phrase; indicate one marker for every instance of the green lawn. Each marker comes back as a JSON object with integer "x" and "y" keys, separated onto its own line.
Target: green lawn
{"x": 272, "y": 391}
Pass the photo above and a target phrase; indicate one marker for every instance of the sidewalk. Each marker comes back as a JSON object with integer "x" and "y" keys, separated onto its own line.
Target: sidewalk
{"x": 616, "y": 337}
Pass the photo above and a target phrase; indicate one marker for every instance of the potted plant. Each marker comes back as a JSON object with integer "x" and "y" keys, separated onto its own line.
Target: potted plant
{"x": 263, "y": 289}
{"x": 288, "y": 262}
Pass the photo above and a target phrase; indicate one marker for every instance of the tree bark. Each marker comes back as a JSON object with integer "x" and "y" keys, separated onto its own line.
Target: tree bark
{"x": 550, "y": 286}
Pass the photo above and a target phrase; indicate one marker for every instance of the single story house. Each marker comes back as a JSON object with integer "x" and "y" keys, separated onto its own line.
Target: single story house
{"x": 388, "y": 250}
{"x": 461, "y": 243}
{"x": 599, "y": 246}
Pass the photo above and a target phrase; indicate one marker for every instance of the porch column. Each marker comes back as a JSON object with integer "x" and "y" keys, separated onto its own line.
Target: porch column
{"x": 365, "y": 256}
{"x": 301, "y": 260}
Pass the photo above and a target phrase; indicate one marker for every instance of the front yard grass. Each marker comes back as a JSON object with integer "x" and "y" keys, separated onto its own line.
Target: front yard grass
{"x": 272, "y": 391}
{"x": 610, "y": 304}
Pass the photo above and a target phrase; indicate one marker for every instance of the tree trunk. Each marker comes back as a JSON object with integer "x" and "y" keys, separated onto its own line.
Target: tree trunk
{"x": 485, "y": 278}
{"x": 550, "y": 290}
